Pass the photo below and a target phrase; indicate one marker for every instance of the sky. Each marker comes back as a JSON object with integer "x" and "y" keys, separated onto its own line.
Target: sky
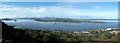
{"x": 60, "y": 0}
{"x": 82, "y": 10}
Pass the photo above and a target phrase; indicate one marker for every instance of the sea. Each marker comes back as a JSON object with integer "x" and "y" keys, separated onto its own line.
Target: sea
{"x": 64, "y": 26}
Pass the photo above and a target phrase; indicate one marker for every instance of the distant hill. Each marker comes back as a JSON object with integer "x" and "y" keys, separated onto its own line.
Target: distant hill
{"x": 58, "y": 18}
{"x": 54, "y": 18}
{"x": 46, "y": 18}
{"x": 6, "y": 19}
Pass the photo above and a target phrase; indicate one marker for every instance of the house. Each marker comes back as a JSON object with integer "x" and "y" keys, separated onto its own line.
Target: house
{"x": 85, "y": 32}
{"x": 109, "y": 29}
{"x": 114, "y": 32}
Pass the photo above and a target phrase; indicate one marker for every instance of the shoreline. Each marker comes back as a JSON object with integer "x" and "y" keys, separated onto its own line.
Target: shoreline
{"x": 68, "y": 31}
{"x": 97, "y": 30}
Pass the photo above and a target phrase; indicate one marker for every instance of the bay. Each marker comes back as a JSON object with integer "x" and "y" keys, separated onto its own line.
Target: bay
{"x": 64, "y": 26}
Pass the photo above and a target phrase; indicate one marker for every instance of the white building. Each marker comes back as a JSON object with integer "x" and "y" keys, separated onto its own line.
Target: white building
{"x": 85, "y": 32}
{"x": 109, "y": 29}
{"x": 76, "y": 32}
{"x": 114, "y": 32}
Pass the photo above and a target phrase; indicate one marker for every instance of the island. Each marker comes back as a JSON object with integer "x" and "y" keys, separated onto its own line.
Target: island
{"x": 6, "y": 19}
{"x": 71, "y": 20}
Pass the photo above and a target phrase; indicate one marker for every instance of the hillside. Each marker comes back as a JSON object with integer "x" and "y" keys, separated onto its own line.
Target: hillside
{"x": 14, "y": 35}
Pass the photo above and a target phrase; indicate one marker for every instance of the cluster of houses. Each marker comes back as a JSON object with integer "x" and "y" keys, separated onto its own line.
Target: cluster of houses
{"x": 110, "y": 30}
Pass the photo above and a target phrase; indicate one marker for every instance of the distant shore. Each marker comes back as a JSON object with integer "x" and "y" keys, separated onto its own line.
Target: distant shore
{"x": 74, "y": 21}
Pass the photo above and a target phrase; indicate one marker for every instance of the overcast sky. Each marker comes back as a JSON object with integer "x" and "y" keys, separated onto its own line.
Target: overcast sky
{"x": 89, "y": 10}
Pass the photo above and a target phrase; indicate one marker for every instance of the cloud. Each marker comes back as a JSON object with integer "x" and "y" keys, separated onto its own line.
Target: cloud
{"x": 60, "y": 0}
{"x": 12, "y": 11}
{"x": 71, "y": 12}
{"x": 59, "y": 11}
{"x": 41, "y": 9}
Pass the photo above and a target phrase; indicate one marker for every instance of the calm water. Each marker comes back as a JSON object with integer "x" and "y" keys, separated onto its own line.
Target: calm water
{"x": 22, "y": 23}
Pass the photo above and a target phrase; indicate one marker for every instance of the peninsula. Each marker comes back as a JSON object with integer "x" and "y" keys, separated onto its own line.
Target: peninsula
{"x": 74, "y": 21}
